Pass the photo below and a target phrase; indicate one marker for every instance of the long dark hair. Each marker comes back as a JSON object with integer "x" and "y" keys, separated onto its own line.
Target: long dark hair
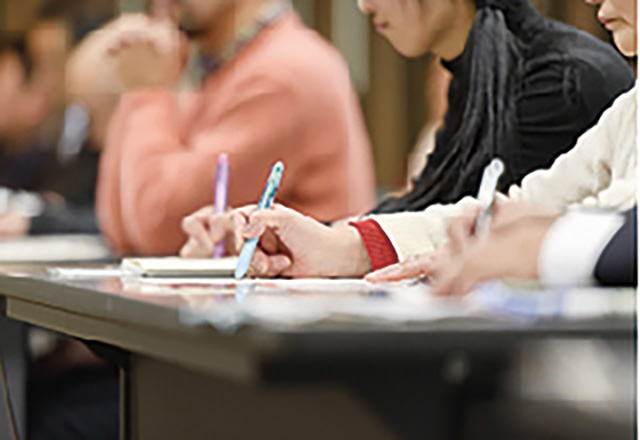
{"x": 482, "y": 115}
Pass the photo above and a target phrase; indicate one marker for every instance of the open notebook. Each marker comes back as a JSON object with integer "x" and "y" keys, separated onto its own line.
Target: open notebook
{"x": 180, "y": 267}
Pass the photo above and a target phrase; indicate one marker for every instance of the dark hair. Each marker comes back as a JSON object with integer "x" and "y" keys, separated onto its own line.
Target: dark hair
{"x": 482, "y": 116}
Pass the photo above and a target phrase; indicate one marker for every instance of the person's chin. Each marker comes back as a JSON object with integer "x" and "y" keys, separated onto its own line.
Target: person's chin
{"x": 625, "y": 42}
{"x": 409, "y": 52}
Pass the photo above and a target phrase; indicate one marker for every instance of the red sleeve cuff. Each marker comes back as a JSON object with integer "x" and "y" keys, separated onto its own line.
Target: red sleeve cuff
{"x": 381, "y": 251}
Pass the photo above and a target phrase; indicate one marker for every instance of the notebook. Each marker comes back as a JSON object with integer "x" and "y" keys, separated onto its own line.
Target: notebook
{"x": 180, "y": 267}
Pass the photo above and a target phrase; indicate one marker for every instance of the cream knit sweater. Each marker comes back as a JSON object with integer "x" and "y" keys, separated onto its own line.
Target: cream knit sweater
{"x": 600, "y": 171}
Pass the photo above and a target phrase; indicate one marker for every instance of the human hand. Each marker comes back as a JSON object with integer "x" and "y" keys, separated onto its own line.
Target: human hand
{"x": 291, "y": 244}
{"x": 14, "y": 225}
{"x": 151, "y": 55}
{"x": 204, "y": 229}
{"x": 420, "y": 265}
{"x": 510, "y": 249}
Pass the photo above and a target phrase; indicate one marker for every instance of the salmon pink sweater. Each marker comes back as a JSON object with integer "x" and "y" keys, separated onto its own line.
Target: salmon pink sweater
{"x": 286, "y": 96}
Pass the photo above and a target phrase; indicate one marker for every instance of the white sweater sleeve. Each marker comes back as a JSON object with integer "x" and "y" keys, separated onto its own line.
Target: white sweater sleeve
{"x": 600, "y": 171}
{"x": 588, "y": 174}
{"x": 572, "y": 246}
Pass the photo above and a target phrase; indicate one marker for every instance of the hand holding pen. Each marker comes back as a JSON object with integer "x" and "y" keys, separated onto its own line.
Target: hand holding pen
{"x": 424, "y": 265}
{"x": 268, "y": 196}
{"x": 284, "y": 238}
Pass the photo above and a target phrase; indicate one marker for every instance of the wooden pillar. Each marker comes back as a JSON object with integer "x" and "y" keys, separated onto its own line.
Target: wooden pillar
{"x": 386, "y": 111}
{"x": 323, "y": 17}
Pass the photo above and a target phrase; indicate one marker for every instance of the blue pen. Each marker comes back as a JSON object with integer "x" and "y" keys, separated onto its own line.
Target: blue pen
{"x": 249, "y": 247}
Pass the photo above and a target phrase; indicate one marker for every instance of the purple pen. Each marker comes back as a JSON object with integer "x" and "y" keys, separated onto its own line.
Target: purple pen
{"x": 220, "y": 190}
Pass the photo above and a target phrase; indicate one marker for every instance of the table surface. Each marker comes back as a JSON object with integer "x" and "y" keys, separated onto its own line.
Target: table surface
{"x": 109, "y": 310}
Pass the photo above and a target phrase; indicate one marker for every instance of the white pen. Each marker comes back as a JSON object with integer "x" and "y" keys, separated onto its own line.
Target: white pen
{"x": 487, "y": 194}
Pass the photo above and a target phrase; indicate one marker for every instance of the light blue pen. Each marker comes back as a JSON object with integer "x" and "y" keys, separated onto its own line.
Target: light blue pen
{"x": 249, "y": 247}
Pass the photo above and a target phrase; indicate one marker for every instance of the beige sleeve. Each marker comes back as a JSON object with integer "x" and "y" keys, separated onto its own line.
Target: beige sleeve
{"x": 413, "y": 233}
{"x": 586, "y": 176}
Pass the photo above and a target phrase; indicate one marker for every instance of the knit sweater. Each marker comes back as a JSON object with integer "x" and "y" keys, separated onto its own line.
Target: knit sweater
{"x": 286, "y": 96}
{"x": 600, "y": 172}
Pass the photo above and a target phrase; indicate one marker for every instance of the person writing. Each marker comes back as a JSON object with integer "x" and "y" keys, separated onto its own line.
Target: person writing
{"x": 271, "y": 90}
{"x": 600, "y": 171}
{"x": 523, "y": 88}
{"x": 524, "y": 241}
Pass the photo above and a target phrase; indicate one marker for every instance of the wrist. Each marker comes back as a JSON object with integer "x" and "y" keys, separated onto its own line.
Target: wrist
{"x": 352, "y": 257}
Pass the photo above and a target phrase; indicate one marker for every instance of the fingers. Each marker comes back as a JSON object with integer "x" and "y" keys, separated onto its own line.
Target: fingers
{"x": 451, "y": 276}
{"x": 239, "y": 222}
{"x": 204, "y": 229}
{"x": 457, "y": 284}
{"x": 159, "y": 35}
{"x": 460, "y": 232}
{"x": 196, "y": 227}
{"x": 274, "y": 219}
{"x": 194, "y": 249}
{"x": 266, "y": 266}
{"x": 421, "y": 265}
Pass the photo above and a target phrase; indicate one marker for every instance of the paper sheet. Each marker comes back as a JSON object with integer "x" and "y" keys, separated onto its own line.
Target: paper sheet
{"x": 180, "y": 267}
{"x": 217, "y": 286}
{"x": 54, "y": 248}
{"x": 72, "y": 273}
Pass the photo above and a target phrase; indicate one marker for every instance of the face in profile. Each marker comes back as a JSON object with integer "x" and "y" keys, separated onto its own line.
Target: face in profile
{"x": 197, "y": 16}
{"x": 620, "y": 18}
{"x": 413, "y": 27}
{"x": 22, "y": 107}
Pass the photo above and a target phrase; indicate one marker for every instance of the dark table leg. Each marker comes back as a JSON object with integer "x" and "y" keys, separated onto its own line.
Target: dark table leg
{"x": 14, "y": 351}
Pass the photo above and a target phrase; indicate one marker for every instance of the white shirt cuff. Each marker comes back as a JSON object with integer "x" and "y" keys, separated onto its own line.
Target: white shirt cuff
{"x": 571, "y": 248}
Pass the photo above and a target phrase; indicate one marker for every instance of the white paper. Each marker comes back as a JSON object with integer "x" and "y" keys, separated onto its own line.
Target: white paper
{"x": 54, "y": 248}
{"x": 86, "y": 272}
{"x": 180, "y": 267}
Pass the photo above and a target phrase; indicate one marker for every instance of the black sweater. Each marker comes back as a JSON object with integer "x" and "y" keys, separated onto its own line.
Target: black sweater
{"x": 568, "y": 78}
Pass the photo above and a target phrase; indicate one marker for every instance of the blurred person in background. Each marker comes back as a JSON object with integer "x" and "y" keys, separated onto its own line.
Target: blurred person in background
{"x": 57, "y": 159}
{"x": 72, "y": 393}
{"x": 23, "y": 107}
{"x": 271, "y": 89}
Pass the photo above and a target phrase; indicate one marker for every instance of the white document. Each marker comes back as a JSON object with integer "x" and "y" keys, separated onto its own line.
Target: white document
{"x": 54, "y": 248}
{"x": 79, "y": 273}
{"x": 172, "y": 267}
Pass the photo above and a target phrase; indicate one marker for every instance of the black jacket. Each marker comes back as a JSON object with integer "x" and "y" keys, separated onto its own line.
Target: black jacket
{"x": 618, "y": 263}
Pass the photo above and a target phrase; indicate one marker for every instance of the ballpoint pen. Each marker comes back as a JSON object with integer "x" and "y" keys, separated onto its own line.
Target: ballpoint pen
{"x": 220, "y": 191}
{"x": 249, "y": 247}
{"x": 486, "y": 195}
